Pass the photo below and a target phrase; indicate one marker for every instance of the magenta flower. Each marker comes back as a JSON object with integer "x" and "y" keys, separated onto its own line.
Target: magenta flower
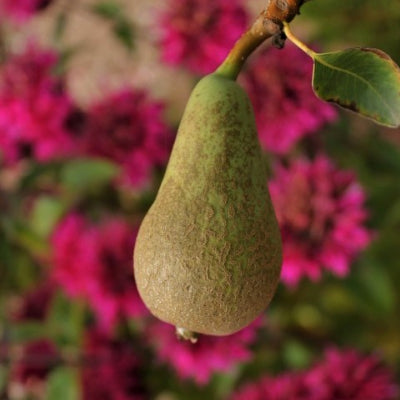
{"x": 74, "y": 261}
{"x": 34, "y": 130}
{"x": 21, "y": 10}
{"x": 23, "y": 74}
{"x": 35, "y": 303}
{"x": 198, "y": 34}
{"x": 111, "y": 370}
{"x": 287, "y": 386}
{"x": 348, "y": 375}
{"x": 209, "y": 355}
{"x": 344, "y": 375}
{"x": 115, "y": 293}
{"x": 98, "y": 266}
{"x": 34, "y": 109}
{"x": 286, "y": 109}
{"x": 38, "y": 358}
{"x": 127, "y": 128}
{"x": 321, "y": 213}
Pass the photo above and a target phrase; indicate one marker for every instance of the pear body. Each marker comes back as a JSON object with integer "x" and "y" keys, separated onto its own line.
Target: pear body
{"x": 208, "y": 253}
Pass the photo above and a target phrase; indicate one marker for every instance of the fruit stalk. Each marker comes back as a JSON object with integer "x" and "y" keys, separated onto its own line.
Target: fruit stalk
{"x": 268, "y": 24}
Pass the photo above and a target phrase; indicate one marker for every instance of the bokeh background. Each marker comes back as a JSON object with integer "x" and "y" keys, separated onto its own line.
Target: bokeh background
{"x": 91, "y": 94}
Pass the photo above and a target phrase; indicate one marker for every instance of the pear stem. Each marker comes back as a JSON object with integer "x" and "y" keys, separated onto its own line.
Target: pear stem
{"x": 269, "y": 23}
{"x": 261, "y": 30}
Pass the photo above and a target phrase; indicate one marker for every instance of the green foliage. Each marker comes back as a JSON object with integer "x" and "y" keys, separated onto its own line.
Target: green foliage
{"x": 26, "y": 331}
{"x": 3, "y": 377}
{"x": 363, "y": 80}
{"x": 124, "y": 32}
{"x": 87, "y": 175}
{"x": 107, "y": 9}
{"x": 60, "y": 26}
{"x": 122, "y": 27}
{"x": 45, "y": 214}
{"x": 358, "y": 22}
{"x": 296, "y": 354}
{"x": 65, "y": 321}
{"x": 63, "y": 384}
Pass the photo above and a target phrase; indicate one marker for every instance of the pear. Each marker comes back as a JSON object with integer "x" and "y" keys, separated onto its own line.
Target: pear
{"x": 208, "y": 253}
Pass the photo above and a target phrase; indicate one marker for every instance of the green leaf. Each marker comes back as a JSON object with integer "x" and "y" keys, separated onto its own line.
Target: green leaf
{"x": 27, "y": 331}
{"x": 18, "y": 271}
{"x": 63, "y": 384}
{"x": 296, "y": 354}
{"x": 23, "y": 235}
{"x": 46, "y": 213}
{"x": 223, "y": 384}
{"x": 65, "y": 320}
{"x": 107, "y": 9}
{"x": 123, "y": 30}
{"x": 122, "y": 27}
{"x": 380, "y": 287}
{"x": 88, "y": 174}
{"x": 6, "y": 263}
{"x": 3, "y": 377}
{"x": 64, "y": 58}
{"x": 363, "y": 80}
{"x": 59, "y": 26}
{"x": 37, "y": 172}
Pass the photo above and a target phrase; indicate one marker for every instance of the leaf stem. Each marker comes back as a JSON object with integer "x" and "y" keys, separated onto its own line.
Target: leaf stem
{"x": 297, "y": 41}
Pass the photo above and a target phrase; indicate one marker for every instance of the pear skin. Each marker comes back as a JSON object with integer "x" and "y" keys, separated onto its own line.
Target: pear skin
{"x": 208, "y": 253}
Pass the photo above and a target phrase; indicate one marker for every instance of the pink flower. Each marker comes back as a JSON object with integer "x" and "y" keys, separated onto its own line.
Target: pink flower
{"x": 288, "y": 386}
{"x": 198, "y": 34}
{"x": 75, "y": 257}
{"x": 115, "y": 291}
{"x": 209, "y": 355}
{"x": 111, "y": 370}
{"x": 37, "y": 360}
{"x": 127, "y": 128}
{"x": 35, "y": 303}
{"x": 34, "y": 109}
{"x": 348, "y": 375}
{"x": 23, "y": 74}
{"x": 320, "y": 210}
{"x": 21, "y": 10}
{"x": 94, "y": 262}
{"x": 344, "y": 375}
{"x": 286, "y": 109}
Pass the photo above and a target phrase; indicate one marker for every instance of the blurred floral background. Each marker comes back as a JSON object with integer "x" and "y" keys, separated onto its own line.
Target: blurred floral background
{"x": 91, "y": 93}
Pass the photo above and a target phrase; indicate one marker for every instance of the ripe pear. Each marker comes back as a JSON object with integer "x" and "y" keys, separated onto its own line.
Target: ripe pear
{"x": 208, "y": 253}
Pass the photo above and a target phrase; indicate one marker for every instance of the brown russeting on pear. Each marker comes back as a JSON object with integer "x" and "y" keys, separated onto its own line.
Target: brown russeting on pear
{"x": 208, "y": 253}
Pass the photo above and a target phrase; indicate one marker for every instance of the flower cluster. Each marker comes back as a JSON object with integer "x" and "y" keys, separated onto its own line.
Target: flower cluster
{"x": 35, "y": 303}
{"x": 127, "y": 128}
{"x": 34, "y": 108}
{"x": 209, "y": 355}
{"x": 37, "y": 360}
{"x": 286, "y": 109}
{"x": 21, "y": 10}
{"x": 321, "y": 213}
{"x": 344, "y": 375}
{"x": 98, "y": 266}
{"x": 73, "y": 314}
{"x": 38, "y": 120}
{"x": 111, "y": 369}
{"x": 199, "y": 34}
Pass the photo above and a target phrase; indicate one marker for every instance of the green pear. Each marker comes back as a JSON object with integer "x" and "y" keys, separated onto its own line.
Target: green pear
{"x": 208, "y": 253}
